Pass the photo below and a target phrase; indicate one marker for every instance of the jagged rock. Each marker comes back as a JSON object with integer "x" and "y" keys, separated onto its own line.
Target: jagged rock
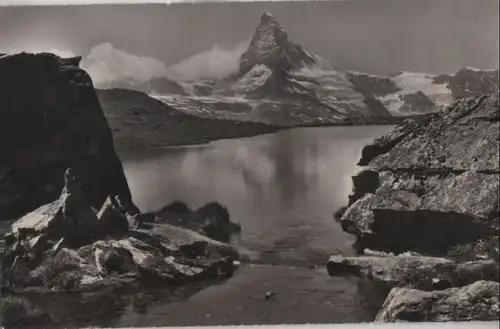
{"x": 69, "y": 217}
{"x": 164, "y": 253}
{"x": 416, "y": 271}
{"x": 474, "y": 302}
{"x": 438, "y": 182}
{"x": 112, "y": 220}
{"x": 269, "y": 44}
{"x": 52, "y": 120}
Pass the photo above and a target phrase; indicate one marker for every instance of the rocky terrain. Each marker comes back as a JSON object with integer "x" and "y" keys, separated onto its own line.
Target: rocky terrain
{"x": 281, "y": 83}
{"x": 278, "y": 83}
{"x": 156, "y": 86}
{"x": 413, "y": 93}
{"x": 425, "y": 214}
{"x": 139, "y": 121}
{"x": 74, "y": 227}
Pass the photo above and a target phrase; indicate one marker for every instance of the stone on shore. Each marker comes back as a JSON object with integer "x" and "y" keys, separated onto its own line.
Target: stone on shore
{"x": 212, "y": 219}
{"x": 67, "y": 245}
{"x": 416, "y": 271}
{"x": 474, "y": 302}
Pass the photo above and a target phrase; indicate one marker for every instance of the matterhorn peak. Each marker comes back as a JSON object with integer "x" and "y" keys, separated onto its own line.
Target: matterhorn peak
{"x": 266, "y": 17}
{"x": 270, "y": 47}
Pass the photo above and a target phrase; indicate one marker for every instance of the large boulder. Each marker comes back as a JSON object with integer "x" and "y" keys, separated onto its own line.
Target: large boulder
{"x": 165, "y": 255}
{"x": 432, "y": 184}
{"x": 52, "y": 120}
{"x": 474, "y": 302}
{"x": 69, "y": 217}
{"x": 68, "y": 245}
{"x": 211, "y": 219}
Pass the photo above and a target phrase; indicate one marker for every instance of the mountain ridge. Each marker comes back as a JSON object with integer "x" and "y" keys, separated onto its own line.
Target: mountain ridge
{"x": 280, "y": 82}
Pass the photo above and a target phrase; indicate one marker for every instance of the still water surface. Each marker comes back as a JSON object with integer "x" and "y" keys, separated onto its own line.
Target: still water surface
{"x": 282, "y": 188}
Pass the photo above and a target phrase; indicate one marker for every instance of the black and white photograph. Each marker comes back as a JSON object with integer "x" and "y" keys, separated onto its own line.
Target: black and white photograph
{"x": 249, "y": 163}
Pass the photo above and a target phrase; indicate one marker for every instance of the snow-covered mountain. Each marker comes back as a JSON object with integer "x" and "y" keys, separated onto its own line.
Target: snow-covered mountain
{"x": 279, "y": 82}
{"x": 413, "y": 93}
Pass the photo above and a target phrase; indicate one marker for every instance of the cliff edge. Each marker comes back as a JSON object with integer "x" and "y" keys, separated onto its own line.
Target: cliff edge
{"x": 51, "y": 121}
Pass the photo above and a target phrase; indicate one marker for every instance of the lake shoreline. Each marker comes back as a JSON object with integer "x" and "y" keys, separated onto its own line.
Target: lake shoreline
{"x": 121, "y": 148}
{"x": 139, "y": 122}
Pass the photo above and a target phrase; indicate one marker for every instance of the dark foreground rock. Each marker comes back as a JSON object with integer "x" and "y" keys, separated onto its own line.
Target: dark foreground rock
{"x": 66, "y": 245}
{"x": 52, "y": 120}
{"x": 474, "y": 302}
{"x": 76, "y": 231}
{"x": 429, "y": 204}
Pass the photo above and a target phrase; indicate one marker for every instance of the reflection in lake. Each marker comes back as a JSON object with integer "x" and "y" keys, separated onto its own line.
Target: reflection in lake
{"x": 282, "y": 188}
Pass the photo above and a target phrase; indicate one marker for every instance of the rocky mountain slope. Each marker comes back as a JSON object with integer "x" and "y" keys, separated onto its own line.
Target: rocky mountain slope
{"x": 52, "y": 120}
{"x": 428, "y": 202}
{"x": 139, "y": 121}
{"x": 281, "y": 83}
{"x": 413, "y": 93}
{"x": 156, "y": 86}
{"x": 278, "y": 82}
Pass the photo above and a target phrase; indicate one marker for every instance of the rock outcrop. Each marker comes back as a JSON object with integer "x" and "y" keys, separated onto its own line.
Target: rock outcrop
{"x": 438, "y": 182}
{"x": 52, "y": 120}
{"x": 415, "y": 271}
{"x": 67, "y": 245}
{"x": 474, "y": 302}
{"x": 469, "y": 82}
{"x": 212, "y": 219}
{"x": 428, "y": 203}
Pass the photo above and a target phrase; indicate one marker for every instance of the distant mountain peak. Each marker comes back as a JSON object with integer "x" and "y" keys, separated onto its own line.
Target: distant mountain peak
{"x": 270, "y": 46}
{"x": 266, "y": 17}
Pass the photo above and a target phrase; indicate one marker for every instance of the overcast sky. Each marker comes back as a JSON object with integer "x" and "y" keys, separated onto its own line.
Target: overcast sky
{"x": 375, "y": 36}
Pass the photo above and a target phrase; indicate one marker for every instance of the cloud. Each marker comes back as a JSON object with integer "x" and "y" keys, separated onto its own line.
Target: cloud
{"x": 106, "y": 64}
{"x": 216, "y": 63}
